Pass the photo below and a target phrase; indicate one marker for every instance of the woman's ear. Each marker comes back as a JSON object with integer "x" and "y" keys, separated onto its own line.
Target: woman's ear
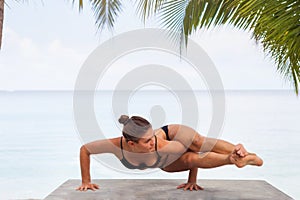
{"x": 130, "y": 143}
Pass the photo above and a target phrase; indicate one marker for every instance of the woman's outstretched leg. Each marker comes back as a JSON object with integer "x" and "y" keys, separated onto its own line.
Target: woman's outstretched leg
{"x": 196, "y": 142}
{"x": 191, "y": 160}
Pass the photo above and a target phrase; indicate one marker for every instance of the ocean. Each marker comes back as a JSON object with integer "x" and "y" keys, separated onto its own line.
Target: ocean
{"x": 40, "y": 139}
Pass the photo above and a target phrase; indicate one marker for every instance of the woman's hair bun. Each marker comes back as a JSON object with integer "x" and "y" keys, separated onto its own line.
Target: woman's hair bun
{"x": 123, "y": 119}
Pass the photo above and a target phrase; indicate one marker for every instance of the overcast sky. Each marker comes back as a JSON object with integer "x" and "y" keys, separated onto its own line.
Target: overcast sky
{"x": 45, "y": 44}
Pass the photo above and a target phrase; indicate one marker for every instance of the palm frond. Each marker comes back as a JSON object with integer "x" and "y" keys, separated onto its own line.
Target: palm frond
{"x": 171, "y": 14}
{"x": 80, "y": 4}
{"x": 146, "y": 8}
{"x": 106, "y": 12}
{"x": 276, "y": 24}
{"x": 204, "y": 13}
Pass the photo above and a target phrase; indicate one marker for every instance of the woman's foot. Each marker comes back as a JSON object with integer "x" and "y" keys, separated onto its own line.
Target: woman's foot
{"x": 250, "y": 159}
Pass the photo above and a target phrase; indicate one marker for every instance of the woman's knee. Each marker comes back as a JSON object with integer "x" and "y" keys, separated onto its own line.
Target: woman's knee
{"x": 198, "y": 139}
{"x": 190, "y": 159}
{"x": 197, "y": 143}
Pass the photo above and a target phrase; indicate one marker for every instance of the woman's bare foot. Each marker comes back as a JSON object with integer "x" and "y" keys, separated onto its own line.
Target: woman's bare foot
{"x": 250, "y": 159}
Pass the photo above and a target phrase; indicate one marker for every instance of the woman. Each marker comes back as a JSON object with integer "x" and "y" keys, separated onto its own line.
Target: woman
{"x": 172, "y": 148}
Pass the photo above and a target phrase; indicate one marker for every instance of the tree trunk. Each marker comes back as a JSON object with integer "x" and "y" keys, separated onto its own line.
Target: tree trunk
{"x": 1, "y": 19}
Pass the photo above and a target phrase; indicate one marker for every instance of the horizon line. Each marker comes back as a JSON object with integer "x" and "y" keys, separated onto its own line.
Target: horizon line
{"x": 158, "y": 90}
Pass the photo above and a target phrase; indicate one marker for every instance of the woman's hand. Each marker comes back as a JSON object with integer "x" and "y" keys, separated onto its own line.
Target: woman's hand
{"x": 88, "y": 186}
{"x": 190, "y": 186}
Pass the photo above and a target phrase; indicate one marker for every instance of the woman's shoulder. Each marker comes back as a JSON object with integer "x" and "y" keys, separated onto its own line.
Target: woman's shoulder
{"x": 116, "y": 141}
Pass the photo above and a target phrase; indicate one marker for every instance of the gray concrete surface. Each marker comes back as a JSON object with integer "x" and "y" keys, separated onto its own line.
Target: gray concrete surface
{"x": 166, "y": 189}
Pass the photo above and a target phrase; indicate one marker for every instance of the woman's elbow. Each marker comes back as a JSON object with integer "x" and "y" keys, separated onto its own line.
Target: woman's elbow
{"x": 83, "y": 149}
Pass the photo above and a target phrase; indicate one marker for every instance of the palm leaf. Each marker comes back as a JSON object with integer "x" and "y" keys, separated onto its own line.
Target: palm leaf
{"x": 276, "y": 24}
{"x": 80, "y": 2}
{"x": 106, "y": 12}
{"x": 146, "y": 8}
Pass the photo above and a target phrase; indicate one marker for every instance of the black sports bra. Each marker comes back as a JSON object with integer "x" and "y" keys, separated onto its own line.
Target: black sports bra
{"x": 143, "y": 165}
{"x": 166, "y": 130}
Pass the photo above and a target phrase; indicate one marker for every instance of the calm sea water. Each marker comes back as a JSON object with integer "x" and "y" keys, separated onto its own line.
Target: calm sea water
{"x": 40, "y": 143}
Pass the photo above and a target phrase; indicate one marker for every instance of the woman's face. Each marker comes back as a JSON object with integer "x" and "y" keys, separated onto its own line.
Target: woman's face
{"x": 146, "y": 143}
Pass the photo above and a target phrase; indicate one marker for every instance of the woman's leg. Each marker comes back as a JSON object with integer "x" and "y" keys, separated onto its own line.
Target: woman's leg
{"x": 195, "y": 142}
{"x": 191, "y": 160}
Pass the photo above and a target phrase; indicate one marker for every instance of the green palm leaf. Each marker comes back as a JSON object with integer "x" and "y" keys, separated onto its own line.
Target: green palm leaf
{"x": 105, "y": 11}
{"x": 274, "y": 23}
{"x": 80, "y": 3}
{"x": 146, "y": 8}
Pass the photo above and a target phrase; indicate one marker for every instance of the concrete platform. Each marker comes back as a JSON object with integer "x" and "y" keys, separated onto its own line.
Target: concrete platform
{"x": 166, "y": 189}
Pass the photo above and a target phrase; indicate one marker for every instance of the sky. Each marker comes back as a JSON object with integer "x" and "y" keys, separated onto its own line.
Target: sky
{"x": 45, "y": 44}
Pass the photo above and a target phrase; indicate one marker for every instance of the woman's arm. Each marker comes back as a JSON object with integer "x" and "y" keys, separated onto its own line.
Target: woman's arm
{"x": 96, "y": 147}
{"x": 85, "y": 171}
{"x": 85, "y": 165}
{"x": 193, "y": 175}
{"x": 171, "y": 147}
